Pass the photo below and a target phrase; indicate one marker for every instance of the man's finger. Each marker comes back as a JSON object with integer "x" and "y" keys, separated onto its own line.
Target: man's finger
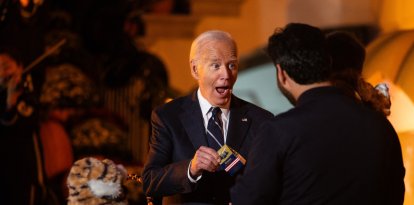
{"x": 211, "y": 152}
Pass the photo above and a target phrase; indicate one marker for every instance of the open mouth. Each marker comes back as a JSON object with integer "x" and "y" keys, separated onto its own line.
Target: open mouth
{"x": 223, "y": 90}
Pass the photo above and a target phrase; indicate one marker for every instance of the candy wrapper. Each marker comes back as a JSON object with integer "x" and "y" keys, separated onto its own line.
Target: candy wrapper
{"x": 231, "y": 161}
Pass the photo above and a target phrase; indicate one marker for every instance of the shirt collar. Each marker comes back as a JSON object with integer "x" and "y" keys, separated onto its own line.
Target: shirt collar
{"x": 205, "y": 105}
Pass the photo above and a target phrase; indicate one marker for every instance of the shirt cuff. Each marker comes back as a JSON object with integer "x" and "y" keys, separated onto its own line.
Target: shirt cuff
{"x": 189, "y": 176}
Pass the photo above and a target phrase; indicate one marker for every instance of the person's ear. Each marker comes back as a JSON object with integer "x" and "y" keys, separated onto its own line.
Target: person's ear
{"x": 281, "y": 75}
{"x": 194, "y": 69}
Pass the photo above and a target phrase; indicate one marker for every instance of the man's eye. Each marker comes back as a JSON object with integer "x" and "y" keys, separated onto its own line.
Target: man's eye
{"x": 232, "y": 66}
{"x": 215, "y": 65}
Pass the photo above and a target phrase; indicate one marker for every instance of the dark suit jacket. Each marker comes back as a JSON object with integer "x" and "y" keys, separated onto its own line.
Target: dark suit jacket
{"x": 178, "y": 131}
{"x": 329, "y": 149}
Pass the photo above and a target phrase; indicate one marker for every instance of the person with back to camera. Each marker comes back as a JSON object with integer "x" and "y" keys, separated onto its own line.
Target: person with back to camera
{"x": 329, "y": 148}
{"x": 183, "y": 163}
{"x": 348, "y": 56}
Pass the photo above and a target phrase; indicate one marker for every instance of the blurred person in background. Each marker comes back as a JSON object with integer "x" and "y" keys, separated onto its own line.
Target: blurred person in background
{"x": 348, "y": 56}
{"x": 20, "y": 147}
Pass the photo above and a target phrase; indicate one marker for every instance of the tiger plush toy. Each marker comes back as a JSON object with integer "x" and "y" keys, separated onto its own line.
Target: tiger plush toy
{"x": 92, "y": 181}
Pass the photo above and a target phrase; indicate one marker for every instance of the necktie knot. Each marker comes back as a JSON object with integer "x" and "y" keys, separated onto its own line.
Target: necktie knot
{"x": 215, "y": 113}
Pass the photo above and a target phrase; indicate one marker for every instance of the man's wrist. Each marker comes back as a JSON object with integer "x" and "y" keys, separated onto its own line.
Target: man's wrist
{"x": 189, "y": 175}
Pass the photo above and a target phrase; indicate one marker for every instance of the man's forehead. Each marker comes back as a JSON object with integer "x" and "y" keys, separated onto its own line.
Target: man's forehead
{"x": 213, "y": 57}
{"x": 214, "y": 48}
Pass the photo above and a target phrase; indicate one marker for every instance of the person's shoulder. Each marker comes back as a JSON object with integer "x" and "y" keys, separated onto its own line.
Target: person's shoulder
{"x": 375, "y": 117}
{"x": 252, "y": 107}
{"x": 287, "y": 118}
{"x": 284, "y": 124}
{"x": 174, "y": 105}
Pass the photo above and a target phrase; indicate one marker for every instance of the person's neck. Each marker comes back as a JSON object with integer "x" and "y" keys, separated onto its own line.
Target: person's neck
{"x": 300, "y": 89}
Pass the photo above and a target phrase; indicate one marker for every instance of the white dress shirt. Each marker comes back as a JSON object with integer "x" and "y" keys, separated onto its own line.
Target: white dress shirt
{"x": 205, "y": 110}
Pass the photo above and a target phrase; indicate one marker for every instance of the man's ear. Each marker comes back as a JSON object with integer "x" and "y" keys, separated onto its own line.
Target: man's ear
{"x": 194, "y": 71}
{"x": 281, "y": 74}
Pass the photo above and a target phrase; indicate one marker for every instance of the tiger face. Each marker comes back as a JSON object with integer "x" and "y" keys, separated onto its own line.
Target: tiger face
{"x": 92, "y": 181}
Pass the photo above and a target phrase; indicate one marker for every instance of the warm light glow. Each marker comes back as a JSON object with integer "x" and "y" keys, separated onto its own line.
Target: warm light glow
{"x": 168, "y": 100}
{"x": 396, "y": 15}
{"x": 407, "y": 145}
{"x": 402, "y": 118}
{"x": 387, "y": 53}
{"x": 390, "y": 59}
{"x": 24, "y": 3}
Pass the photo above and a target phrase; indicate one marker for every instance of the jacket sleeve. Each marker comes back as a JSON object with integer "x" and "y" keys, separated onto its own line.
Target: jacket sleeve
{"x": 161, "y": 175}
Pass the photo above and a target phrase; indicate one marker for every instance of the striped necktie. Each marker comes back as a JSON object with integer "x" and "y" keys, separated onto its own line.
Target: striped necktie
{"x": 215, "y": 135}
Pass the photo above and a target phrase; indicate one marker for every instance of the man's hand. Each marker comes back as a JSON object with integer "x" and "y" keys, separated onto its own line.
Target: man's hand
{"x": 13, "y": 92}
{"x": 10, "y": 78}
{"x": 205, "y": 159}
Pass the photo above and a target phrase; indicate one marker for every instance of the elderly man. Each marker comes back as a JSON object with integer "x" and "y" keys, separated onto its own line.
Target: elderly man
{"x": 182, "y": 164}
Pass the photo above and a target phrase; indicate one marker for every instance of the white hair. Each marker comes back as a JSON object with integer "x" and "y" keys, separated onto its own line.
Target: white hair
{"x": 208, "y": 36}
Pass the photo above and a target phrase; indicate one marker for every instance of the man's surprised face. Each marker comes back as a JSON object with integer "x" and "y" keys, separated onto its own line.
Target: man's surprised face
{"x": 217, "y": 70}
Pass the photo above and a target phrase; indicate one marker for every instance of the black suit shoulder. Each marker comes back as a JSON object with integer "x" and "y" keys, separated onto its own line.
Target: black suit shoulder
{"x": 172, "y": 109}
{"x": 173, "y": 105}
{"x": 251, "y": 107}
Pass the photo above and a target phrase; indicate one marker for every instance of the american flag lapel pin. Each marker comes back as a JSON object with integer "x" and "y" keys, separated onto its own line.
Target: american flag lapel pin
{"x": 244, "y": 119}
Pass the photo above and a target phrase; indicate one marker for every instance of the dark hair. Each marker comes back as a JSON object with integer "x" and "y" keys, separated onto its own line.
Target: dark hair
{"x": 346, "y": 51}
{"x": 348, "y": 56}
{"x": 300, "y": 50}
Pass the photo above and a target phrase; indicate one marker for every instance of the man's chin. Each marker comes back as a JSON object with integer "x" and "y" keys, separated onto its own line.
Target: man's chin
{"x": 291, "y": 100}
{"x": 222, "y": 101}
{"x": 287, "y": 95}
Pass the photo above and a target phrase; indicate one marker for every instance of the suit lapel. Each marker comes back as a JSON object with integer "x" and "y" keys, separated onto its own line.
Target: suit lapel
{"x": 193, "y": 122}
{"x": 239, "y": 124}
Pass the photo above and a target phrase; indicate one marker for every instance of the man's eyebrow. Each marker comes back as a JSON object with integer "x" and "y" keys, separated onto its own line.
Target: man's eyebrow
{"x": 214, "y": 59}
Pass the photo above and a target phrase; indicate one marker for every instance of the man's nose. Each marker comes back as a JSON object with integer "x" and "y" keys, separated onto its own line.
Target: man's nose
{"x": 225, "y": 72}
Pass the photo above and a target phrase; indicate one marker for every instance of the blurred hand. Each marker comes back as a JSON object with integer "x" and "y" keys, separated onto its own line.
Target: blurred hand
{"x": 205, "y": 159}
{"x": 10, "y": 71}
{"x": 10, "y": 77}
